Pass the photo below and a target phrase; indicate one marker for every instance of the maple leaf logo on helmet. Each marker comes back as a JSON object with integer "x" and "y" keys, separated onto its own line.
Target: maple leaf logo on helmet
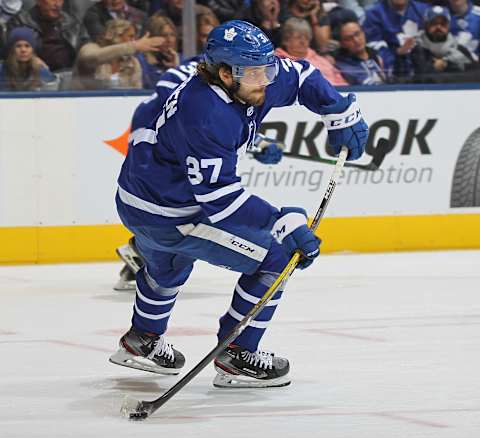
{"x": 230, "y": 34}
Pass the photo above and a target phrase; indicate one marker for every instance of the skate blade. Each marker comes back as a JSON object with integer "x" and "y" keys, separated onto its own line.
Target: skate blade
{"x": 125, "y": 286}
{"x": 223, "y": 380}
{"x": 128, "y": 256}
{"x": 126, "y": 359}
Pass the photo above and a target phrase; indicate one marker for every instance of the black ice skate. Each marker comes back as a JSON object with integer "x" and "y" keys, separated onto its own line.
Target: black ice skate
{"x": 239, "y": 368}
{"x": 148, "y": 352}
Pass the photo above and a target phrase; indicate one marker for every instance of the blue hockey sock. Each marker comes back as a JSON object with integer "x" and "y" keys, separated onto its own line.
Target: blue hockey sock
{"x": 248, "y": 291}
{"x": 153, "y": 304}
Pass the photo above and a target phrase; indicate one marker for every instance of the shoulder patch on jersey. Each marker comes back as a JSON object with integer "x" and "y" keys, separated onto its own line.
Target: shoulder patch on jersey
{"x": 476, "y": 10}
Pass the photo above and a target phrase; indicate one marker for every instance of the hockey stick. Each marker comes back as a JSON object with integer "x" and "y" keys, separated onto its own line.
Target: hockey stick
{"x": 377, "y": 159}
{"x": 140, "y": 410}
{"x": 379, "y": 154}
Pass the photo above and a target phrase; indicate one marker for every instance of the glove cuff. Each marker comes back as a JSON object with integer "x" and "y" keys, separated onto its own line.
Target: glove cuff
{"x": 342, "y": 120}
{"x": 287, "y": 224}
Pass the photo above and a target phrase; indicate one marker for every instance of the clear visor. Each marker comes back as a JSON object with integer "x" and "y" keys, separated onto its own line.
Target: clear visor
{"x": 260, "y": 75}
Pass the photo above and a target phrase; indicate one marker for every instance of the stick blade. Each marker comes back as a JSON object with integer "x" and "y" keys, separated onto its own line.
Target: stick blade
{"x": 133, "y": 409}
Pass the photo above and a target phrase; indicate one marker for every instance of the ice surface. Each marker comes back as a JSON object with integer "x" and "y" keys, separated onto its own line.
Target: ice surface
{"x": 381, "y": 346}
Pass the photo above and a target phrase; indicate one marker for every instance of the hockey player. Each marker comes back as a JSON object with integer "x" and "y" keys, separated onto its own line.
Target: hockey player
{"x": 180, "y": 196}
{"x": 265, "y": 150}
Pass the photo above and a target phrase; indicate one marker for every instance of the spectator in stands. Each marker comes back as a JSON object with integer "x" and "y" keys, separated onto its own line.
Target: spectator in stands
{"x": 154, "y": 63}
{"x": 265, "y": 15}
{"x": 77, "y": 8}
{"x": 205, "y": 23}
{"x": 296, "y": 38}
{"x": 312, "y": 11}
{"x": 359, "y": 64}
{"x": 465, "y": 24}
{"x": 356, "y": 6}
{"x": 173, "y": 10}
{"x": 61, "y": 35}
{"x": 100, "y": 13}
{"x": 228, "y": 9}
{"x": 391, "y": 28}
{"x": 23, "y": 70}
{"x": 438, "y": 56}
{"x": 110, "y": 62}
{"x": 8, "y": 8}
{"x": 143, "y": 5}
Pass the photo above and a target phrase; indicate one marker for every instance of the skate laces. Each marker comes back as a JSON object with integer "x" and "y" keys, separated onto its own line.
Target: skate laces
{"x": 162, "y": 348}
{"x": 262, "y": 359}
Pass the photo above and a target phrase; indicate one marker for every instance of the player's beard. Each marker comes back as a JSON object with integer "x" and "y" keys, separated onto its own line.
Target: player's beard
{"x": 251, "y": 96}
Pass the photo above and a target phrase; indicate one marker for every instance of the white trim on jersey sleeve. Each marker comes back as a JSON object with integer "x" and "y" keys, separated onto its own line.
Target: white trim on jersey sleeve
{"x": 305, "y": 74}
{"x": 175, "y": 72}
{"x": 136, "y": 202}
{"x": 167, "y": 84}
{"x": 297, "y": 66}
{"x": 232, "y": 208}
{"x": 142, "y": 135}
{"x": 219, "y": 193}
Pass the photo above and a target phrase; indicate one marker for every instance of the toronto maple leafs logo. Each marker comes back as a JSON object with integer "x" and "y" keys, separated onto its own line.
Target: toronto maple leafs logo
{"x": 230, "y": 34}
{"x": 409, "y": 30}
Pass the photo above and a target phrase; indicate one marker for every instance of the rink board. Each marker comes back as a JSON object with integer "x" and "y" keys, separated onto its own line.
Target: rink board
{"x": 59, "y": 159}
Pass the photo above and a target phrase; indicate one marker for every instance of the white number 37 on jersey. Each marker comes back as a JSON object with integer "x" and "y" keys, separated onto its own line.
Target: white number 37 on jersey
{"x": 194, "y": 167}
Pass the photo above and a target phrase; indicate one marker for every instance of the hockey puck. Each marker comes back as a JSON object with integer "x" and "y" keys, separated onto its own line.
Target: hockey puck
{"x": 138, "y": 416}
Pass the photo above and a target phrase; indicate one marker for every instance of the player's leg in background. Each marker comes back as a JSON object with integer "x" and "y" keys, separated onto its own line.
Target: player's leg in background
{"x": 157, "y": 285}
{"x": 133, "y": 260}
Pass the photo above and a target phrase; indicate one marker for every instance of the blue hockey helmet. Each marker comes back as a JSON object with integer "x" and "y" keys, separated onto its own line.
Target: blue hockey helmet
{"x": 246, "y": 49}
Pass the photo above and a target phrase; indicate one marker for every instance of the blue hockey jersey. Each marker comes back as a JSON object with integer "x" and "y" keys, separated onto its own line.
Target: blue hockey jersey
{"x": 181, "y": 167}
{"x": 358, "y": 71}
{"x": 466, "y": 29}
{"x": 386, "y": 29}
{"x": 167, "y": 82}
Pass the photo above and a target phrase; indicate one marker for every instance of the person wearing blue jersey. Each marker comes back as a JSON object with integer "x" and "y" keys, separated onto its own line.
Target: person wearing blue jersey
{"x": 264, "y": 149}
{"x": 180, "y": 195}
{"x": 358, "y": 63}
{"x": 465, "y": 24}
{"x": 391, "y": 28}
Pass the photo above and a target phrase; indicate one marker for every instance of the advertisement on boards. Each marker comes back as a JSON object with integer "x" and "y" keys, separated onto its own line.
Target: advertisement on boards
{"x": 68, "y": 153}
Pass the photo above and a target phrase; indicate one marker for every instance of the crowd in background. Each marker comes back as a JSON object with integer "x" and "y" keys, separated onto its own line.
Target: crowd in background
{"x": 128, "y": 44}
